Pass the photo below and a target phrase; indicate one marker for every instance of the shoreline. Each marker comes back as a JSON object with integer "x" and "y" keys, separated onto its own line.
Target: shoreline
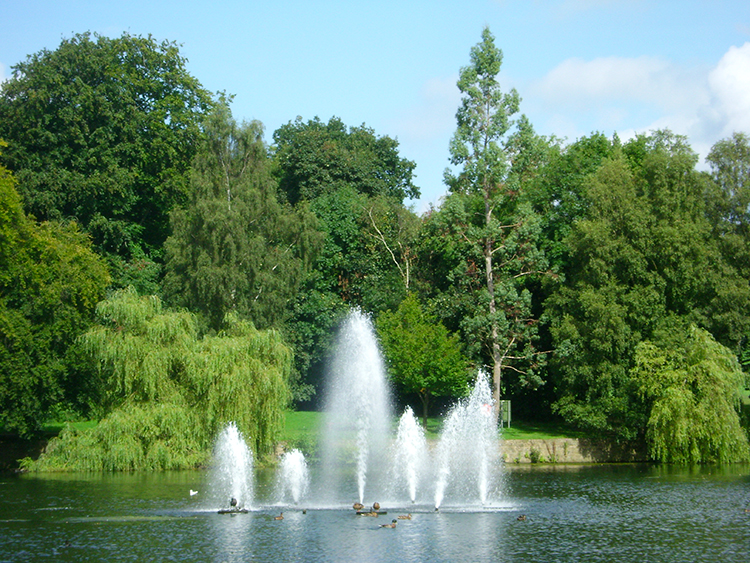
{"x": 513, "y": 451}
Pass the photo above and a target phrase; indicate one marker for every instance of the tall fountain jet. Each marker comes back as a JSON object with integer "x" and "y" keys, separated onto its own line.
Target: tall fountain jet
{"x": 467, "y": 453}
{"x": 293, "y": 477}
{"x": 232, "y": 470}
{"x": 358, "y": 411}
{"x": 360, "y": 458}
{"x": 410, "y": 457}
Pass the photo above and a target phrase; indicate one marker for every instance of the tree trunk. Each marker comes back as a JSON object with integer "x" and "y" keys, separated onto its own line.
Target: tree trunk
{"x": 494, "y": 336}
{"x": 425, "y": 397}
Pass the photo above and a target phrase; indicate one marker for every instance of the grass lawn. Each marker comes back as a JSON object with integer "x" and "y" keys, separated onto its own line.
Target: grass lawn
{"x": 56, "y": 427}
{"x": 302, "y": 428}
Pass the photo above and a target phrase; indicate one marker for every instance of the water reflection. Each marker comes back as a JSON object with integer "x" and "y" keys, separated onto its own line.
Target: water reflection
{"x": 608, "y": 513}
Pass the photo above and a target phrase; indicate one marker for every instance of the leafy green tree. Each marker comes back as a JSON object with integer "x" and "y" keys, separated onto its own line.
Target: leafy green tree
{"x": 642, "y": 255}
{"x": 317, "y": 158}
{"x": 50, "y": 282}
{"x": 692, "y": 387}
{"x": 503, "y": 243}
{"x": 103, "y": 131}
{"x": 729, "y": 195}
{"x": 728, "y": 201}
{"x": 422, "y": 357}
{"x": 354, "y": 269}
{"x": 355, "y": 183}
{"x": 557, "y": 193}
{"x": 235, "y": 247}
{"x": 165, "y": 392}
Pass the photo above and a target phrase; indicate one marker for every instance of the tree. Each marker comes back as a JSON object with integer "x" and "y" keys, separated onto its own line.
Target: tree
{"x": 353, "y": 269}
{"x": 729, "y": 195}
{"x": 50, "y": 282}
{"x": 235, "y": 247}
{"x": 558, "y": 195}
{"x": 317, "y": 158}
{"x": 692, "y": 386}
{"x": 165, "y": 392}
{"x": 728, "y": 204}
{"x": 355, "y": 183}
{"x": 422, "y": 357}
{"x": 642, "y": 255}
{"x": 507, "y": 232}
{"x": 103, "y": 131}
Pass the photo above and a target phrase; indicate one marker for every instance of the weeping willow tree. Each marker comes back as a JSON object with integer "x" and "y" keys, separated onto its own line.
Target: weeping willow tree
{"x": 165, "y": 392}
{"x": 694, "y": 391}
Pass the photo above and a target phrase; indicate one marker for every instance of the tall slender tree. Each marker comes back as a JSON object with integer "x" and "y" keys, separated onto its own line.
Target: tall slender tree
{"x": 480, "y": 146}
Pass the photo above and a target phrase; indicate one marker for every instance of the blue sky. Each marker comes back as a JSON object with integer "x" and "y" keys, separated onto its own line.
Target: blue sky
{"x": 625, "y": 66}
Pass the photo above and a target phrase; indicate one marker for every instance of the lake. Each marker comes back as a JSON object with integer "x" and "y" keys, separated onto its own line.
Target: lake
{"x": 573, "y": 513}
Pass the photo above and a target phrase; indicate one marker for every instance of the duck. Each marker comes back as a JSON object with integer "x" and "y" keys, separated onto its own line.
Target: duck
{"x": 376, "y": 507}
{"x": 391, "y": 525}
{"x": 404, "y": 516}
{"x": 233, "y": 502}
{"x": 279, "y": 517}
{"x": 358, "y": 506}
{"x": 521, "y": 518}
{"x": 193, "y": 493}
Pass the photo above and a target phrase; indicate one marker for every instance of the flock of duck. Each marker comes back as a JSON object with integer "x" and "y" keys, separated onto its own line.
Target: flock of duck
{"x": 357, "y": 506}
{"x": 375, "y": 511}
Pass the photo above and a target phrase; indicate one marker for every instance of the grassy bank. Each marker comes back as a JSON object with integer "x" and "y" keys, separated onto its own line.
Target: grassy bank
{"x": 302, "y": 429}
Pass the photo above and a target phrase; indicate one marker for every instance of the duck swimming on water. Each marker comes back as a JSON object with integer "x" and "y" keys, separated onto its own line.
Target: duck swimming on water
{"x": 391, "y": 525}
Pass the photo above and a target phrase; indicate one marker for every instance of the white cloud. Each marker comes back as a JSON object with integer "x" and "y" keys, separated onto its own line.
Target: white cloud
{"x": 630, "y": 95}
{"x": 614, "y": 81}
{"x": 730, "y": 88}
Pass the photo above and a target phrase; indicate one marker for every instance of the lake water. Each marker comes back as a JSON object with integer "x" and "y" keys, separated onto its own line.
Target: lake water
{"x": 629, "y": 513}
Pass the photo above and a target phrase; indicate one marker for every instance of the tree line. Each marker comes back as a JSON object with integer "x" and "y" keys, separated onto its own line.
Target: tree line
{"x": 164, "y": 269}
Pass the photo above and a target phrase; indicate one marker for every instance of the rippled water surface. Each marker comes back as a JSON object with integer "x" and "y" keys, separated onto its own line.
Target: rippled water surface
{"x": 573, "y": 513}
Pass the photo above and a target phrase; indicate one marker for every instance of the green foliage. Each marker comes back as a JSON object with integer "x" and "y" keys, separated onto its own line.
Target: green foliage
{"x": 483, "y": 120}
{"x": 692, "y": 385}
{"x": 499, "y": 235}
{"x": 102, "y": 131}
{"x": 165, "y": 393}
{"x": 643, "y": 254}
{"x": 316, "y": 158}
{"x": 355, "y": 183}
{"x": 50, "y": 281}
{"x": 452, "y": 252}
{"x": 558, "y": 194}
{"x": 137, "y": 437}
{"x": 422, "y": 357}
{"x": 234, "y": 247}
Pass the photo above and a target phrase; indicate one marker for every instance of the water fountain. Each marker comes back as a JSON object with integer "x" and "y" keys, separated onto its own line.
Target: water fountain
{"x": 293, "y": 477}
{"x": 467, "y": 453}
{"x": 361, "y": 459}
{"x": 231, "y": 484}
{"x": 410, "y": 456}
{"x": 358, "y": 412}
